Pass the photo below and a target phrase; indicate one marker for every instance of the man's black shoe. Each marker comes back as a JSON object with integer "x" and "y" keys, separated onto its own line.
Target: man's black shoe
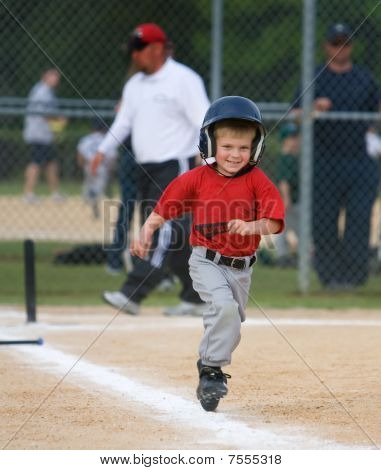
{"x": 212, "y": 385}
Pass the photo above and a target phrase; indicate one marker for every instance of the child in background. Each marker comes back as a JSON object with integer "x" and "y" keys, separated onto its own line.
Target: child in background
{"x": 94, "y": 186}
{"x": 287, "y": 175}
{"x": 233, "y": 204}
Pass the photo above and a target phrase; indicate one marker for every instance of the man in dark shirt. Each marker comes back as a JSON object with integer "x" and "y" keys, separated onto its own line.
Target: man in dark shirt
{"x": 345, "y": 177}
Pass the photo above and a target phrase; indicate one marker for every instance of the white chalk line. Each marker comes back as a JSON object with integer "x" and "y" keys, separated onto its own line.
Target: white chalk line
{"x": 174, "y": 410}
{"x": 311, "y": 322}
{"x": 144, "y": 395}
{"x": 163, "y": 323}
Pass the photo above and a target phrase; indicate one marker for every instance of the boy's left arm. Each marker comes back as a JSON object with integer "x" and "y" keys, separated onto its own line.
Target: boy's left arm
{"x": 269, "y": 209}
{"x": 256, "y": 227}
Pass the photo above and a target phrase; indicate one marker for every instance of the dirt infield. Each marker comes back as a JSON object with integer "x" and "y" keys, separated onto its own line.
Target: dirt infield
{"x": 307, "y": 379}
{"x": 71, "y": 220}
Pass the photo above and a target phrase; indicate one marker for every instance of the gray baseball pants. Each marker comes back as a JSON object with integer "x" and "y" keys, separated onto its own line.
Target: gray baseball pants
{"x": 225, "y": 291}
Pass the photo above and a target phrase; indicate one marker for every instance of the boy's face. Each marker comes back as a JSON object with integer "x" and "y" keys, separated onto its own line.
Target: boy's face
{"x": 233, "y": 152}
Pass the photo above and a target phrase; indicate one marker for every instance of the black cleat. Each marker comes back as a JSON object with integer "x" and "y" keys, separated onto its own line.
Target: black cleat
{"x": 212, "y": 385}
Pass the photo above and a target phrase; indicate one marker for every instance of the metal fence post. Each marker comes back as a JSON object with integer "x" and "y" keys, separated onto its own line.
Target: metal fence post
{"x": 30, "y": 280}
{"x": 306, "y": 161}
{"x": 216, "y": 49}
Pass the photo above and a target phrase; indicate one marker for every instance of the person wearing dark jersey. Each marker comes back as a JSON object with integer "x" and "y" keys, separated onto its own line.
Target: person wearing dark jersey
{"x": 345, "y": 177}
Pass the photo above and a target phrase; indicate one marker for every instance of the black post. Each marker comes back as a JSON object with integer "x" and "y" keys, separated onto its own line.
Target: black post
{"x": 30, "y": 281}
{"x": 38, "y": 341}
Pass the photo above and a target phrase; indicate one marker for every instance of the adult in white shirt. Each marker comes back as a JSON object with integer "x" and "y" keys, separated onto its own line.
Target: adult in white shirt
{"x": 162, "y": 108}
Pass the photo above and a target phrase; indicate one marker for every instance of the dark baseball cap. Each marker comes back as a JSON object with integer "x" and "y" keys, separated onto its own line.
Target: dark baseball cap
{"x": 338, "y": 32}
{"x": 144, "y": 34}
{"x": 289, "y": 129}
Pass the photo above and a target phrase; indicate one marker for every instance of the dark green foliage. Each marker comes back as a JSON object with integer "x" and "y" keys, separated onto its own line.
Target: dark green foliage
{"x": 262, "y": 41}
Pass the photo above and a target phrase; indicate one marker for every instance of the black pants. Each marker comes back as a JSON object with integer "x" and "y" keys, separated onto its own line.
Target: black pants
{"x": 352, "y": 185}
{"x": 128, "y": 185}
{"x": 170, "y": 248}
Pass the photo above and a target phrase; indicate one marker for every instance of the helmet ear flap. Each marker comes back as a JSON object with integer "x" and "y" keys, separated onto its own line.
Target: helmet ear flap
{"x": 207, "y": 143}
{"x": 203, "y": 144}
{"x": 258, "y": 146}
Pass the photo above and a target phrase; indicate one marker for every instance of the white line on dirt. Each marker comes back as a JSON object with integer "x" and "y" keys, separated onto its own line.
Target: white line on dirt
{"x": 176, "y": 411}
{"x": 311, "y": 322}
{"x": 166, "y": 323}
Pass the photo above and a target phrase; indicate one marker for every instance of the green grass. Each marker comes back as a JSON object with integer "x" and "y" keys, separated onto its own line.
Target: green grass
{"x": 274, "y": 287}
{"x": 82, "y": 285}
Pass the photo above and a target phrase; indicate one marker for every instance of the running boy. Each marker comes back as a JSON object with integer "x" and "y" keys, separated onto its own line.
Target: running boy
{"x": 233, "y": 204}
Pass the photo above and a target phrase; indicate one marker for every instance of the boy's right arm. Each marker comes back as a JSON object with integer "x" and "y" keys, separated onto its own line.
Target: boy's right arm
{"x": 140, "y": 247}
{"x": 176, "y": 199}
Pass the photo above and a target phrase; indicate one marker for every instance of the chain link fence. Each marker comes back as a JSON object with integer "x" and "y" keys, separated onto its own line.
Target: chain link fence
{"x": 239, "y": 47}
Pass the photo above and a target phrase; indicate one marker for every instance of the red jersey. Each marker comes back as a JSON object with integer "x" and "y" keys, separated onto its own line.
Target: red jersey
{"x": 215, "y": 200}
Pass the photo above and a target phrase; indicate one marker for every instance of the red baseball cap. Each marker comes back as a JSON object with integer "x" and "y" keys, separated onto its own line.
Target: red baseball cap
{"x": 146, "y": 33}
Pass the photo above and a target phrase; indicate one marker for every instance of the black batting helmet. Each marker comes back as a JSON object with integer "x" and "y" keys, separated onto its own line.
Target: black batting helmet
{"x": 232, "y": 107}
